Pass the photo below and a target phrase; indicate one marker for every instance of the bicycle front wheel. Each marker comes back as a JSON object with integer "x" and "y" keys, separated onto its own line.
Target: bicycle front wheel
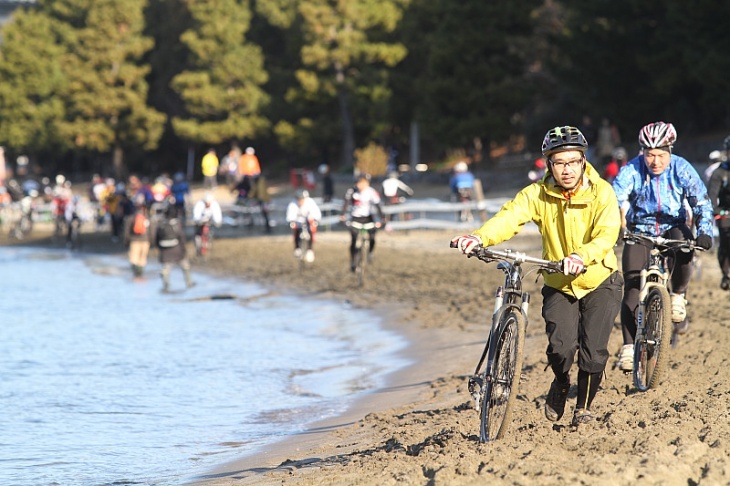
{"x": 503, "y": 380}
{"x": 361, "y": 259}
{"x": 651, "y": 346}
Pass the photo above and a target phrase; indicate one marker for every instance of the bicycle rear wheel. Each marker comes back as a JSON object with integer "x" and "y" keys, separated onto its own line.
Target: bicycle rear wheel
{"x": 651, "y": 346}
{"x": 501, "y": 387}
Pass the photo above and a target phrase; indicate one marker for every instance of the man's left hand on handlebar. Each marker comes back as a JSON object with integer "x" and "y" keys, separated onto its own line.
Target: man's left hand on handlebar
{"x": 704, "y": 242}
{"x": 573, "y": 265}
{"x": 467, "y": 243}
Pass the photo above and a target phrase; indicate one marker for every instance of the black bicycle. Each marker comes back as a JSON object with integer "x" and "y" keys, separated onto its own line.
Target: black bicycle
{"x": 204, "y": 241}
{"x": 494, "y": 388}
{"x": 304, "y": 245}
{"x": 361, "y": 254}
{"x": 73, "y": 237}
{"x": 655, "y": 330}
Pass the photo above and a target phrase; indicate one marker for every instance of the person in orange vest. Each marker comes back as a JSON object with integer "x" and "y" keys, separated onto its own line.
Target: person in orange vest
{"x": 249, "y": 165}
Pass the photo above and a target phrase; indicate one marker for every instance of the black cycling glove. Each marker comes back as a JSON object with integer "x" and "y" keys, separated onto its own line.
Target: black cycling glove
{"x": 704, "y": 241}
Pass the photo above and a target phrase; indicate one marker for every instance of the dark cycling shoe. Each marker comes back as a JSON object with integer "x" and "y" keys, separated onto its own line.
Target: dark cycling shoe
{"x": 581, "y": 416}
{"x": 725, "y": 284}
{"x": 555, "y": 401}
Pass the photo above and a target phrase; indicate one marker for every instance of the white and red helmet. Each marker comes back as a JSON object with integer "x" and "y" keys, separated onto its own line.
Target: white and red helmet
{"x": 656, "y": 135}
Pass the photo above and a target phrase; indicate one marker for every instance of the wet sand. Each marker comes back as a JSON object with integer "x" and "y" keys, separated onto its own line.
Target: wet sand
{"x": 422, "y": 429}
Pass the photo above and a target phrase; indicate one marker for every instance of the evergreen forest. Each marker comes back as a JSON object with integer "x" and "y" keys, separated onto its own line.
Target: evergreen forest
{"x": 116, "y": 87}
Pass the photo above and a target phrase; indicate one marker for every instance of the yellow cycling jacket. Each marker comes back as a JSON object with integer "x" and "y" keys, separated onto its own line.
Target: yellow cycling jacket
{"x": 586, "y": 223}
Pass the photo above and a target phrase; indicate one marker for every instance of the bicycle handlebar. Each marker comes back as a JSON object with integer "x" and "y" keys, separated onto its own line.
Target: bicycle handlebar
{"x": 662, "y": 243}
{"x": 489, "y": 255}
{"x": 361, "y": 226}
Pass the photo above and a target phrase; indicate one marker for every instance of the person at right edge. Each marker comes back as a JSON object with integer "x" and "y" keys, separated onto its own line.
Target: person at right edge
{"x": 578, "y": 218}
{"x": 719, "y": 193}
{"x": 652, "y": 189}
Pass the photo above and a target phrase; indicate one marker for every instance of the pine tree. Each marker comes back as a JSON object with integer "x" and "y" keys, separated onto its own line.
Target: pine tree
{"x": 32, "y": 79}
{"x": 221, "y": 87}
{"x": 346, "y": 56}
{"x": 106, "y": 92}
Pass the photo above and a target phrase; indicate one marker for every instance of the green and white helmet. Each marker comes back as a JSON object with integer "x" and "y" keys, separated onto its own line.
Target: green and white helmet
{"x": 560, "y": 139}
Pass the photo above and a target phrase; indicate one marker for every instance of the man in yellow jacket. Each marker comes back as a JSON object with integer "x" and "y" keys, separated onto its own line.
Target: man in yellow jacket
{"x": 579, "y": 220}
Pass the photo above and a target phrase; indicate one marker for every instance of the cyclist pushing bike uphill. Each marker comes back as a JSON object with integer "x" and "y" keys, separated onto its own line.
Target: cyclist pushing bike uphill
{"x": 576, "y": 213}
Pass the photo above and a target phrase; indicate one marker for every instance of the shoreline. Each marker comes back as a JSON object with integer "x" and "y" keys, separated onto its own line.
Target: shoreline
{"x": 334, "y": 437}
{"x": 331, "y": 440}
{"x": 675, "y": 434}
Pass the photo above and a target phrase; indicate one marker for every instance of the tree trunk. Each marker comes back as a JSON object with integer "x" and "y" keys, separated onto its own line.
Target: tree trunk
{"x": 120, "y": 171}
{"x": 348, "y": 130}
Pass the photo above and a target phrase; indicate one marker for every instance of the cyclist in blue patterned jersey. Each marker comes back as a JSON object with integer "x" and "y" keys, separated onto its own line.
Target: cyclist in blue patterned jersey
{"x": 653, "y": 191}
{"x": 361, "y": 201}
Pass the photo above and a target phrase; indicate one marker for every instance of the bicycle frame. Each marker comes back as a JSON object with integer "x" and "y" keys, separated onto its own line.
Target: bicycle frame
{"x": 305, "y": 242}
{"x": 203, "y": 240}
{"x": 363, "y": 234}
{"x": 650, "y": 342}
{"x": 495, "y": 388}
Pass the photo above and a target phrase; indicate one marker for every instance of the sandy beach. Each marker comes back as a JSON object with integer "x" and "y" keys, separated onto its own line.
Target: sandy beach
{"x": 422, "y": 428}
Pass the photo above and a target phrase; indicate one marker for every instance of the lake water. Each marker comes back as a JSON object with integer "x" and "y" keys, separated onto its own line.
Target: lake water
{"x": 104, "y": 380}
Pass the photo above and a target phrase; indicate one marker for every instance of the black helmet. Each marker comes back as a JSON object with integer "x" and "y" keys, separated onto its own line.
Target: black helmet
{"x": 727, "y": 143}
{"x": 560, "y": 139}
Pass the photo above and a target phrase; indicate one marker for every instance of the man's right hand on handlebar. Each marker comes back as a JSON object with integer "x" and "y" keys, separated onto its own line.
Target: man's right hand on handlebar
{"x": 467, "y": 243}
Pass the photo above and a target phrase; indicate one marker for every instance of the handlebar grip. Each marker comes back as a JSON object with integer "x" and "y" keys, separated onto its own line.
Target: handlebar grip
{"x": 452, "y": 244}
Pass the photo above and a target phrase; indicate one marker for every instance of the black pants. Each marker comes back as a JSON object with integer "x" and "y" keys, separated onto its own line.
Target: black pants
{"x": 582, "y": 325}
{"x": 634, "y": 258}
{"x": 723, "y": 251}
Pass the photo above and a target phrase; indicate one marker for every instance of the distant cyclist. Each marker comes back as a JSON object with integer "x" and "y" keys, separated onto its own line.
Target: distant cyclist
{"x": 462, "y": 189}
{"x": 462, "y": 182}
{"x": 207, "y": 211}
{"x": 361, "y": 202}
{"x": 653, "y": 191}
{"x": 392, "y": 186}
{"x": 301, "y": 211}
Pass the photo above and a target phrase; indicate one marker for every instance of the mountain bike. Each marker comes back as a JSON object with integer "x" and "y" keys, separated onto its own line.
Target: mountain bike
{"x": 655, "y": 330}
{"x": 361, "y": 255}
{"x": 204, "y": 241}
{"x": 465, "y": 197}
{"x": 305, "y": 243}
{"x": 494, "y": 388}
{"x": 73, "y": 237}
{"x": 24, "y": 223}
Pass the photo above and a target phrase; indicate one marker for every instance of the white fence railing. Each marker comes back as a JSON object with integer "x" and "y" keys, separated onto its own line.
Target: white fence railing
{"x": 412, "y": 214}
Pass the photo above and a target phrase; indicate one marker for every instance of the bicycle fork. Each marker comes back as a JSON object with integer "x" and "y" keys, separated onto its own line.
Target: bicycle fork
{"x": 477, "y": 381}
